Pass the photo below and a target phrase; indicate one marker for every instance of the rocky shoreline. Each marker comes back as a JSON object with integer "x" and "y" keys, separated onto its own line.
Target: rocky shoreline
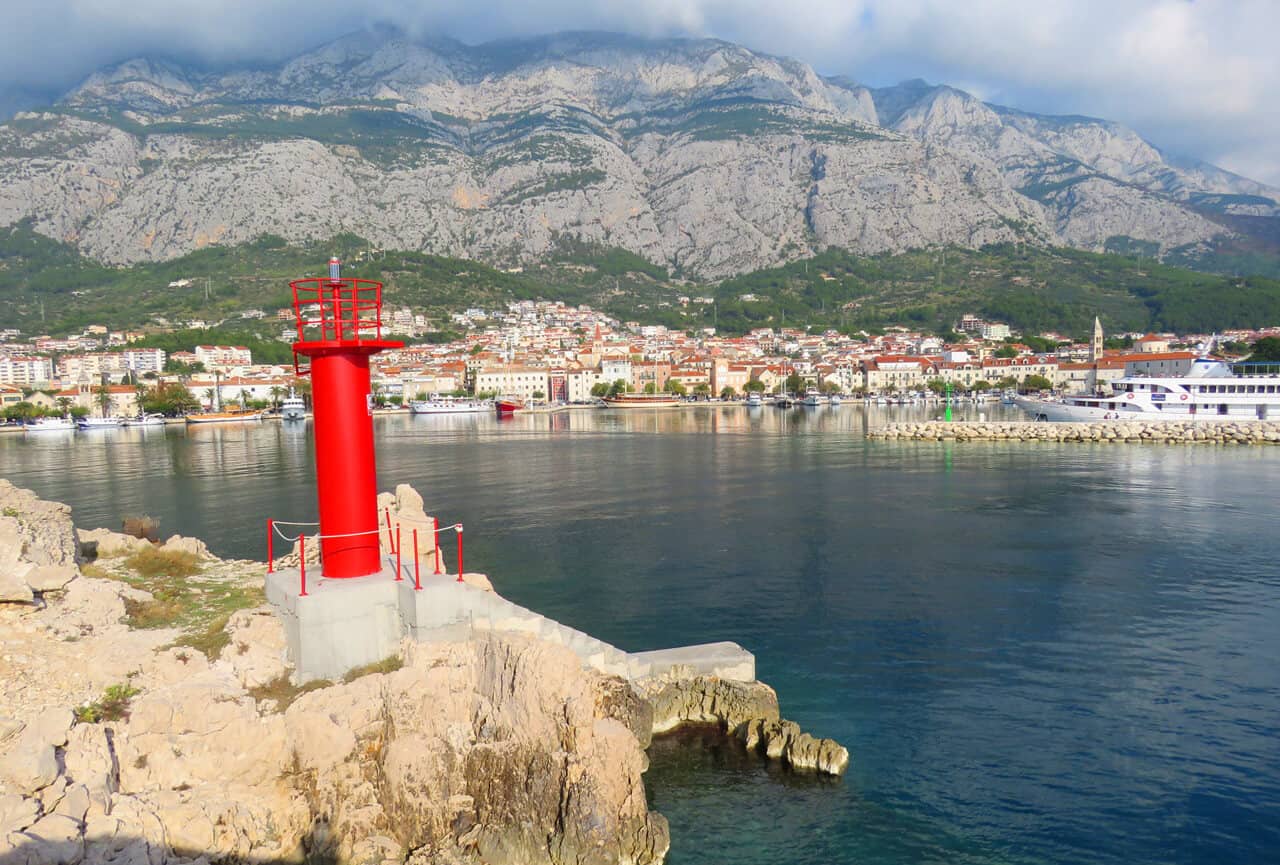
{"x": 1103, "y": 432}
{"x": 152, "y": 718}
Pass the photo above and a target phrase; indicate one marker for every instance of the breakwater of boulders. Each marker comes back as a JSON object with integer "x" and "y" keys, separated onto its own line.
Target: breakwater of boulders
{"x": 1159, "y": 432}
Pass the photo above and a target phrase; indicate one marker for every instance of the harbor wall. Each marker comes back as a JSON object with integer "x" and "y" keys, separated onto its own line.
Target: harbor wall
{"x": 1102, "y": 432}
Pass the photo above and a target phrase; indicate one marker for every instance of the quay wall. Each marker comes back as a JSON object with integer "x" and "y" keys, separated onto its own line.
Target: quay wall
{"x": 1105, "y": 432}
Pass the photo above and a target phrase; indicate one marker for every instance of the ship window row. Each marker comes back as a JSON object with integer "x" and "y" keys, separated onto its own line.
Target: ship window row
{"x": 1238, "y": 388}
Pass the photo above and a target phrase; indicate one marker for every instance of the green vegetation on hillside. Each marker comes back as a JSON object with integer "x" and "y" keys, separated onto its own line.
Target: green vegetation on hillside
{"x": 46, "y": 286}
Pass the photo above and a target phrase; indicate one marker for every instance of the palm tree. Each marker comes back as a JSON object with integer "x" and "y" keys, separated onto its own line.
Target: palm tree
{"x": 276, "y": 392}
{"x": 103, "y": 392}
{"x": 64, "y": 403}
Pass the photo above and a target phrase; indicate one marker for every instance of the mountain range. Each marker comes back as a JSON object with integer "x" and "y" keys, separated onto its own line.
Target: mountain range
{"x": 701, "y": 156}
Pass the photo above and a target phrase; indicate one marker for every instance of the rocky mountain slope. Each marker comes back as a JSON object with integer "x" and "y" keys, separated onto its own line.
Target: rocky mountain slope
{"x": 700, "y": 155}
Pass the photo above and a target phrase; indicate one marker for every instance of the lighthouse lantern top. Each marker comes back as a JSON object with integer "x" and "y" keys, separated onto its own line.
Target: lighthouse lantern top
{"x": 334, "y": 309}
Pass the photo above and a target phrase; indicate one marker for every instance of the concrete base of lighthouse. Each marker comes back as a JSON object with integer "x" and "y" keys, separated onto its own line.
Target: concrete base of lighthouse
{"x": 343, "y": 624}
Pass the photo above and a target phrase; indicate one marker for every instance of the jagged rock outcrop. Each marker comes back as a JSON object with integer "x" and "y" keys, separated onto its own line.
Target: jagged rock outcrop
{"x": 104, "y": 542}
{"x": 746, "y": 710}
{"x": 784, "y": 740}
{"x": 695, "y": 154}
{"x": 38, "y": 546}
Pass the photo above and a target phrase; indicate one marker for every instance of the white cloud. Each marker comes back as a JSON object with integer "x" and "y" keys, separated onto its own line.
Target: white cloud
{"x": 1196, "y": 77}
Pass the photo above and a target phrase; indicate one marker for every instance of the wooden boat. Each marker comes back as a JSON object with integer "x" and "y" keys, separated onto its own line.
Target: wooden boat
{"x": 642, "y": 400}
{"x": 235, "y": 416}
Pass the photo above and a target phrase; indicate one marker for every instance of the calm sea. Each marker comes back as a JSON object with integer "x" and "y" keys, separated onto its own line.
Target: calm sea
{"x": 1034, "y": 653}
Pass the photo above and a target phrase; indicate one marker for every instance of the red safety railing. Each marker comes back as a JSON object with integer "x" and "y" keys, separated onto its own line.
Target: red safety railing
{"x": 344, "y": 309}
{"x": 393, "y": 543}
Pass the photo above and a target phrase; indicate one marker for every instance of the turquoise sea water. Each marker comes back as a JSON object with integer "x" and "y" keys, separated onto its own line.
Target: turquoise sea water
{"x": 1035, "y": 653}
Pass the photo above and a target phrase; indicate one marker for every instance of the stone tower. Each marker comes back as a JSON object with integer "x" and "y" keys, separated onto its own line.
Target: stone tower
{"x": 1095, "y": 347}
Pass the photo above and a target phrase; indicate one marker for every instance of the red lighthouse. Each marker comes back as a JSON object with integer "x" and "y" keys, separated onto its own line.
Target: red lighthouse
{"x": 339, "y": 328}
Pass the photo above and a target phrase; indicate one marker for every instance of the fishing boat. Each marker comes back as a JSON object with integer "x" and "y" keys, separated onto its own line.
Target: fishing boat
{"x": 50, "y": 424}
{"x": 507, "y": 405}
{"x": 234, "y": 416}
{"x": 1211, "y": 390}
{"x": 642, "y": 400}
{"x": 754, "y": 399}
{"x": 293, "y": 407}
{"x": 811, "y": 397}
{"x": 448, "y": 405}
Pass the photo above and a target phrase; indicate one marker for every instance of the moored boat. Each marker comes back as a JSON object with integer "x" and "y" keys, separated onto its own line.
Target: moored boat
{"x": 447, "y": 405}
{"x": 754, "y": 400}
{"x": 144, "y": 420}
{"x": 642, "y": 400}
{"x": 811, "y": 397}
{"x": 88, "y": 423}
{"x": 235, "y": 416}
{"x": 293, "y": 407}
{"x": 50, "y": 424}
{"x": 508, "y": 405}
{"x": 834, "y": 399}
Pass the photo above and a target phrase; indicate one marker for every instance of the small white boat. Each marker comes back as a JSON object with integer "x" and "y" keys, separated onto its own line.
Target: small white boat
{"x": 811, "y": 397}
{"x": 450, "y": 406}
{"x": 144, "y": 420}
{"x": 88, "y": 423}
{"x": 834, "y": 399}
{"x": 293, "y": 407}
{"x": 50, "y": 424}
{"x": 754, "y": 400}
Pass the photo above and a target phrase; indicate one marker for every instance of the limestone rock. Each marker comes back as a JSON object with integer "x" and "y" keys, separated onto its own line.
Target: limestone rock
{"x": 17, "y": 813}
{"x": 90, "y": 762}
{"x": 14, "y": 588}
{"x": 40, "y": 530}
{"x": 194, "y": 546}
{"x": 784, "y": 740}
{"x": 51, "y": 578}
{"x": 256, "y": 652}
{"x": 28, "y": 768}
{"x": 707, "y": 700}
{"x": 104, "y": 542}
{"x": 408, "y": 500}
{"x": 480, "y": 581}
{"x": 497, "y": 750}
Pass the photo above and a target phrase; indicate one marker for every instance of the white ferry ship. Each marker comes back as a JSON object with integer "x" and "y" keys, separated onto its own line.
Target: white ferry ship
{"x": 293, "y": 407}
{"x": 1211, "y": 390}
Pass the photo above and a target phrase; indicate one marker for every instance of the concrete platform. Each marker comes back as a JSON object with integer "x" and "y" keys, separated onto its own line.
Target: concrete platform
{"x": 343, "y": 624}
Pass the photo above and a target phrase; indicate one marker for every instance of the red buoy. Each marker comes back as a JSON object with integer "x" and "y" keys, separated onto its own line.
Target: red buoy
{"x": 339, "y": 328}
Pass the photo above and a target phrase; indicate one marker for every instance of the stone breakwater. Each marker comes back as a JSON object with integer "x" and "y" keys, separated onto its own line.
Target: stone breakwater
{"x": 130, "y": 740}
{"x": 1104, "y": 432}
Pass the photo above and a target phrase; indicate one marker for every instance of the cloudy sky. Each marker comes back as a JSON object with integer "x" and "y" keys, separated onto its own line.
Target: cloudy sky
{"x": 1198, "y": 77}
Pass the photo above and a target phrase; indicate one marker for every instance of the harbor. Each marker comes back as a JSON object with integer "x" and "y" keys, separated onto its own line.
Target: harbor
{"x": 1040, "y": 615}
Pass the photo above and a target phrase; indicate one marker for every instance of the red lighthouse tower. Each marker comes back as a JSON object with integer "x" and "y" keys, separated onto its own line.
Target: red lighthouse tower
{"x": 339, "y": 328}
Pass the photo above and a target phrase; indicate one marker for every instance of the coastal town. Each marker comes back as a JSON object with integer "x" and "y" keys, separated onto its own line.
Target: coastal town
{"x": 553, "y": 353}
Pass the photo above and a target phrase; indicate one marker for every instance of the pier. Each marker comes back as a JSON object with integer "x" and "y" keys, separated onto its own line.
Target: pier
{"x": 1103, "y": 432}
